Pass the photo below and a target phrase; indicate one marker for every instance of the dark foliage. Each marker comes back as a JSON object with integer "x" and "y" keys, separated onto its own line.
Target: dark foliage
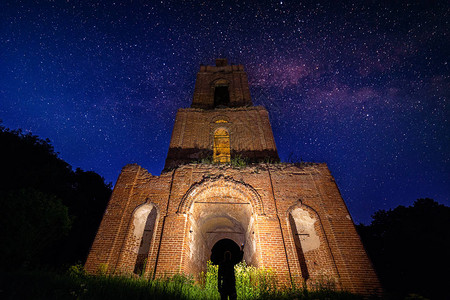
{"x": 32, "y": 174}
{"x": 410, "y": 248}
{"x": 32, "y": 222}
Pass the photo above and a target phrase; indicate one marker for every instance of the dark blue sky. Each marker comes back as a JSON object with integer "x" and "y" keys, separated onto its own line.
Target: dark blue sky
{"x": 363, "y": 87}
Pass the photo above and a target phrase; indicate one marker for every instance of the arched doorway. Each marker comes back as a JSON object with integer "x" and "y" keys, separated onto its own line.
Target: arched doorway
{"x": 222, "y": 246}
{"x": 217, "y": 226}
{"x": 220, "y": 209}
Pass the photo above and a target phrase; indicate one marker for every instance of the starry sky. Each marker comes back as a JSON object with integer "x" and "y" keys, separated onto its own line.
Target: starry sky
{"x": 363, "y": 86}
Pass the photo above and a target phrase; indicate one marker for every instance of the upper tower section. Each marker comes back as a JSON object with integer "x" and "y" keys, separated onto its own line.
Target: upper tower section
{"x": 221, "y": 86}
{"x": 221, "y": 124}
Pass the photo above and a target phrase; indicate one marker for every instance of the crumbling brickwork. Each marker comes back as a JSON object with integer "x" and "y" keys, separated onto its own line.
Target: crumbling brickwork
{"x": 291, "y": 217}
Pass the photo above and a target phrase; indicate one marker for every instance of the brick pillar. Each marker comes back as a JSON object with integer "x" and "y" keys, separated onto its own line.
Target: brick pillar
{"x": 170, "y": 253}
{"x": 273, "y": 254}
{"x": 112, "y": 231}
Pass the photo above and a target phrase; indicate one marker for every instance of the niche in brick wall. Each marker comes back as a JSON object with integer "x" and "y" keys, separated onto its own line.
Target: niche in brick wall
{"x": 222, "y": 150}
{"x": 313, "y": 253}
{"x": 144, "y": 221}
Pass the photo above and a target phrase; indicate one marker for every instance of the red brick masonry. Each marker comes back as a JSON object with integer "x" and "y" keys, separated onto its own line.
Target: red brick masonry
{"x": 198, "y": 204}
{"x": 291, "y": 217}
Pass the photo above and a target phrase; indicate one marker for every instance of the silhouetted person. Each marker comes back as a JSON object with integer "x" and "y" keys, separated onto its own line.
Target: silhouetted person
{"x": 226, "y": 280}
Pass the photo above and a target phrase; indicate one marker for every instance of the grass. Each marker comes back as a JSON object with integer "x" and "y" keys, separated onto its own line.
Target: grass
{"x": 236, "y": 161}
{"x": 251, "y": 283}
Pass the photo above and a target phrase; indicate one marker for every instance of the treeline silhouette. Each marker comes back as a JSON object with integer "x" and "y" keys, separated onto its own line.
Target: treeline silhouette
{"x": 410, "y": 249}
{"x": 49, "y": 214}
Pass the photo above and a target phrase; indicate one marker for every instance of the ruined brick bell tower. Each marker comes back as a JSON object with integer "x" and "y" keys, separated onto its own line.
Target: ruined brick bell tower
{"x": 222, "y": 185}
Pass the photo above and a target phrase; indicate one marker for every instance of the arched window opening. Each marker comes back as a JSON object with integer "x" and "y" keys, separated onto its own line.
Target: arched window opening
{"x": 221, "y": 96}
{"x": 221, "y": 146}
{"x": 146, "y": 233}
{"x": 298, "y": 246}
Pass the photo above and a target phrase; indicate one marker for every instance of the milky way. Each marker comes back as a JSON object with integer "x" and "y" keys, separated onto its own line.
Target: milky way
{"x": 362, "y": 87}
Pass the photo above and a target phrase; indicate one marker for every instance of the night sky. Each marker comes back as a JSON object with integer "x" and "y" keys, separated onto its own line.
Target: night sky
{"x": 363, "y": 87}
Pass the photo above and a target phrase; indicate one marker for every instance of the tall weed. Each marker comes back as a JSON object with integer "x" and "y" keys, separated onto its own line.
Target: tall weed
{"x": 251, "y": 283}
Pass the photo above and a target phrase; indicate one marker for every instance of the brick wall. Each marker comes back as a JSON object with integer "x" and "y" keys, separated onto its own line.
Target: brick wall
{"x": 193, "y": 134}
{"x": 199, "y": 204}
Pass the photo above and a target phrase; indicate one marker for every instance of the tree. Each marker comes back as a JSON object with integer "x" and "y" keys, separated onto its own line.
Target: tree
{"x": 32, "y": 222}
{"x": 409, "y": 247}
{"x": 86, "y": 203}
{"x": 33, "y": 173}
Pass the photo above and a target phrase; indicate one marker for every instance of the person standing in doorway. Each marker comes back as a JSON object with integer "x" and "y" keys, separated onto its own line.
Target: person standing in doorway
{"x": 226, "y": 279}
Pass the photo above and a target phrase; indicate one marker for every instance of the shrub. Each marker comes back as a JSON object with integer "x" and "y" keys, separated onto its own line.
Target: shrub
{"x": 238, "y": 162}
{"x": 76, "y": 271}
{"x": 32, "y": 222}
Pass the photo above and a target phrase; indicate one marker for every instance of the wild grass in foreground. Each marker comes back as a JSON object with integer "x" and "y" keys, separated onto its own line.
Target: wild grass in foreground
{"x": 251, "y": 283}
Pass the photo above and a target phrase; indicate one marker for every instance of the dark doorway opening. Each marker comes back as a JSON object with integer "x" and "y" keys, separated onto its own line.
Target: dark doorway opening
{"x": 219, "y": 249}
{"x": 221, "y": 96}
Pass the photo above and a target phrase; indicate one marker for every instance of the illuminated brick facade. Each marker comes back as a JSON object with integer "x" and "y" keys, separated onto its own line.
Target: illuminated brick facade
{"x": 291, "y": 217}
